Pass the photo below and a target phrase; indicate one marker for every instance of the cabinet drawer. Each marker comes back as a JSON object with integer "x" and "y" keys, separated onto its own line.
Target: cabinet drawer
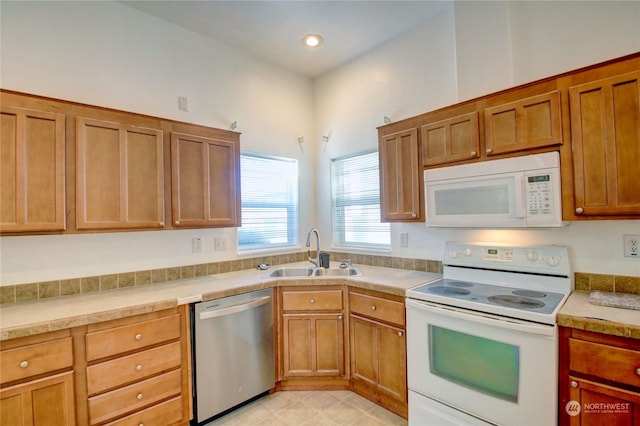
{"x": 168, "y": 412}
{"x": 101, "y": 344}
{"x": 378, "y": 308}
{"x": 127, "y": 369}
{"x": 313, "y": 300}
{"x": 36, "y": 359}
{"x": 133, "y": 397}
{"x": 606, "y": 362}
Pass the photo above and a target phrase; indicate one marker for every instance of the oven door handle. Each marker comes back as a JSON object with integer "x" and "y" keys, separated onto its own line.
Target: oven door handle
{"x": 483, "y": 318}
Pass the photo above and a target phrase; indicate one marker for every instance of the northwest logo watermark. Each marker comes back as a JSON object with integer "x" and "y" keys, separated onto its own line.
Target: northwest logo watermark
{"x": 573, "y": 408}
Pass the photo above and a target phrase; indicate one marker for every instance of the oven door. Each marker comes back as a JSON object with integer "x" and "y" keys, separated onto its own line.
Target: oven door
{"x": 498, "y": 369}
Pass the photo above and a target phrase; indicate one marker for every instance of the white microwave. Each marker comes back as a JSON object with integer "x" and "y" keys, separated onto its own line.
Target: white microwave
{"x": 518, "y": 192}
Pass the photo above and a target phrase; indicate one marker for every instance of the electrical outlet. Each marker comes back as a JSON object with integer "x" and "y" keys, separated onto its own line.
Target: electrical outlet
{"x": 196, "y": 245}
{"x": 631, "y": 245}
{"x": 404, "y": 239}
{"x": 220, "y": 243}
{"x": 183, "y": 104}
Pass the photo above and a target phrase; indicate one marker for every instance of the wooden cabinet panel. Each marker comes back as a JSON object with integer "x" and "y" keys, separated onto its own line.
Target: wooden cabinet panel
{"x": 377, "y": 308}
{"x": 450, "y": 140}
{"x": 119, "y": 176}
{"x": 32, "y": 170}
{"x": 605, "y": 123}
{"x": 165, "y": 413}
{"x": 31, "y": 360}
{"x": 400, "y": 177}
{"x": 113, "y": 341}
{"x": 314, "y": 300}
{"x": 623, "y": 365}
{"x": 529, "y": 123}
{"x": 602, "y": 405}
{"x": 205, "y": 180}
{"x": 48, "y": 401}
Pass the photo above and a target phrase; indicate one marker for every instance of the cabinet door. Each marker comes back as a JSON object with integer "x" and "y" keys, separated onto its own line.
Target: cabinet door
{"x": 605, "y": 127}
{"x": 534, "y": 122}
{"x": 48, "y": 401}
{"x": 119, "y": 176}
{"x": 378, "y": 356}
{"x": 400, "y": 177}
{"x": 205, "y": 181}
{"x": 313, "y": 345}
{"x": 32, "y": 170}
{"x": 453, "y": 139}
{"x": 595, "y": 404}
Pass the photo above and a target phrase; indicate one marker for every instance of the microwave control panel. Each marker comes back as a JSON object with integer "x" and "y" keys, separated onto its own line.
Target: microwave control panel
{"x": 539, "y": 194}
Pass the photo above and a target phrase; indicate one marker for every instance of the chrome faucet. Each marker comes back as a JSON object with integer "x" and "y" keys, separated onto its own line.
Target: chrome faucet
{"x": 315, "y": 261}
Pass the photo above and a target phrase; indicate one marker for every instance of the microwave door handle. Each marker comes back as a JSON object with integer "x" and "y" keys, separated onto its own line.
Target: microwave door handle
{"x": 520, "y": 195}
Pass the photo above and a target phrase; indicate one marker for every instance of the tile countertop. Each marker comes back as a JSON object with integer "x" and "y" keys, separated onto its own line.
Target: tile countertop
{"x": 24, "y": 319}
{"x": 578, "y": 313}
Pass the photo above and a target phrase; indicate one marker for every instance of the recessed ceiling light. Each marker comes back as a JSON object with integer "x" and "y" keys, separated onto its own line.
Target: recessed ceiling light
{"x": 312, "y": 40}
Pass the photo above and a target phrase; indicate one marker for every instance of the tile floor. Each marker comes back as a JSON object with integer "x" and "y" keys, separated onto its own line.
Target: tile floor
{"x": 311, "y": 408}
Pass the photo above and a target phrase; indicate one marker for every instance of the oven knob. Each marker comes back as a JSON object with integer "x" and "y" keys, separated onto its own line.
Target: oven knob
{"x": 468, "y": 252}
{"x": 553, "y": 261}
{"x": 532, "y": 256}
{"x": 453, "y": 254}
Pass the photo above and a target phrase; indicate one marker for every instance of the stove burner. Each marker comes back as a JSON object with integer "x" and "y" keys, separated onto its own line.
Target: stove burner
{"x": 449, "y": 291}
{"x": 459, "y": 284}
{"x": 519, "y": 302}
{"x": 530, "y": 293}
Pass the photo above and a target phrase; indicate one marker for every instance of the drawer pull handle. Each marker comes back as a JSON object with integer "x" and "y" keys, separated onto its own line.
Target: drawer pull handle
{"x": 139, "y": 367}
{"x": 373, "y": 307}
{"x": 312, "y": 301}
{"x": 24, "y": 364}
{"x": 574, "y": 384}
{"x": 138, "y": 336}
{"x": 139, "y": 396}
{"x": 400, "y": 333}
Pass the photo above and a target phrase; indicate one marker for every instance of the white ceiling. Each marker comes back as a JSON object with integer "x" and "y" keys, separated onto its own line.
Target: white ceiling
{"x": 273, "y": 30}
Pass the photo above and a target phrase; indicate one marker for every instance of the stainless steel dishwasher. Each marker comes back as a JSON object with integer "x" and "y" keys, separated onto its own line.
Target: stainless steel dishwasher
{"x": 233, "y": 353}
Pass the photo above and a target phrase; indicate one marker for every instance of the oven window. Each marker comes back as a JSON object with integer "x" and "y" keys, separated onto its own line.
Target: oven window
{"x": 485, "y": 365}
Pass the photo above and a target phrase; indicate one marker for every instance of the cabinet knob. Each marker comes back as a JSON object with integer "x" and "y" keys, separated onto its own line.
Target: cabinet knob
{"x": 489, "y": 150}
{"x": 414, "y": 215}
{"x": 24, "y": 364}
{"x": 139, "y": 367}
{"x": 138, "y": 336}
{"x": 400, "y": 333}
{"x": 373, "y": 307}
{"x": 579, "y": 210}
{"x": 473, "y": 153}
{"x": 312, "y": 301}
{"x": 139, "y": 396}
{"x": 339, "y": 317}
{"x": 161, "y": 223}
{"x": 177, "y": 222}
{"x": 574, "y": 384}
{"x": 638, "y": 371}
{"x": 140, "y": 424}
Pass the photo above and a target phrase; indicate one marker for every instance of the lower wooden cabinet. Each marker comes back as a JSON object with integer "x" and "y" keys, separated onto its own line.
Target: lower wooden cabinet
{"x": 599, "y": 379}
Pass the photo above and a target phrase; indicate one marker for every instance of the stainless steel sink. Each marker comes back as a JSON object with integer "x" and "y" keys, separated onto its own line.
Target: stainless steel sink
{"x": 338, "y": 272}
{"x": 291, "y": 271}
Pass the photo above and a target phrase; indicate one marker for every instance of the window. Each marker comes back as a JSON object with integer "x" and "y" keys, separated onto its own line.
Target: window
{"x": 355, "y": 188}
{"x": 269, "y": 188}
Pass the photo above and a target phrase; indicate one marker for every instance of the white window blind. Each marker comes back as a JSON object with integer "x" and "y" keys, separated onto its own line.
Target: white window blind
{"x": 269, "y": 188}
{"x": 355, "y": 188}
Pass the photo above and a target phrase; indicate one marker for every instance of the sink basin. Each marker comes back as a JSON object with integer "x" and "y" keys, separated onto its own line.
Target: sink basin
{"x": 337, "y": 272}
{"x": 291, "y": 272}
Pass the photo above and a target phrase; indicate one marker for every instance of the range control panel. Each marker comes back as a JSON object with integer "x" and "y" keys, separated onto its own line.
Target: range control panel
{"x": 537, "y": 259}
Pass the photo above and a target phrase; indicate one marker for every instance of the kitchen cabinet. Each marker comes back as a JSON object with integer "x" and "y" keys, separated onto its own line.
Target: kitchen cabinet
{"x": 528, "y": 122}
{"x": 400, "y": 175}
{"x": 32, "y": 168}
{"x": 119, "y": 175}
{"x": 313, "y": 334}
{"x": 205, "y": 179}
{"x": 451, "y": 139}
{"x": 378, "y": 348}
{"x": 37, "y": 381}
{"x": 605, "y": 118}
{"x": 138, "y": 369}
{"x": 599, "y": 379}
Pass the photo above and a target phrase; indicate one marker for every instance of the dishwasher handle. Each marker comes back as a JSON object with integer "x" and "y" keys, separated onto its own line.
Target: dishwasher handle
{"x": 253, "y": 303}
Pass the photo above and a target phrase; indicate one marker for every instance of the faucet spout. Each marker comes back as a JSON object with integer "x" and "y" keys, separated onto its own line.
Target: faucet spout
{"x": 316, "y": 260}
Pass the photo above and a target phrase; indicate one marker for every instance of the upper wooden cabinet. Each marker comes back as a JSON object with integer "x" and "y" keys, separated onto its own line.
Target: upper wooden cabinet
{"x": 605, "y": 132}
{"x": 32, "y": 170}
{"x": 450, "y": 140}
{"x": 528, "y": 123}
{"x": 119, "y": 176}
{"x": 400, "y": 176}
{"x": 205, "y": 180}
